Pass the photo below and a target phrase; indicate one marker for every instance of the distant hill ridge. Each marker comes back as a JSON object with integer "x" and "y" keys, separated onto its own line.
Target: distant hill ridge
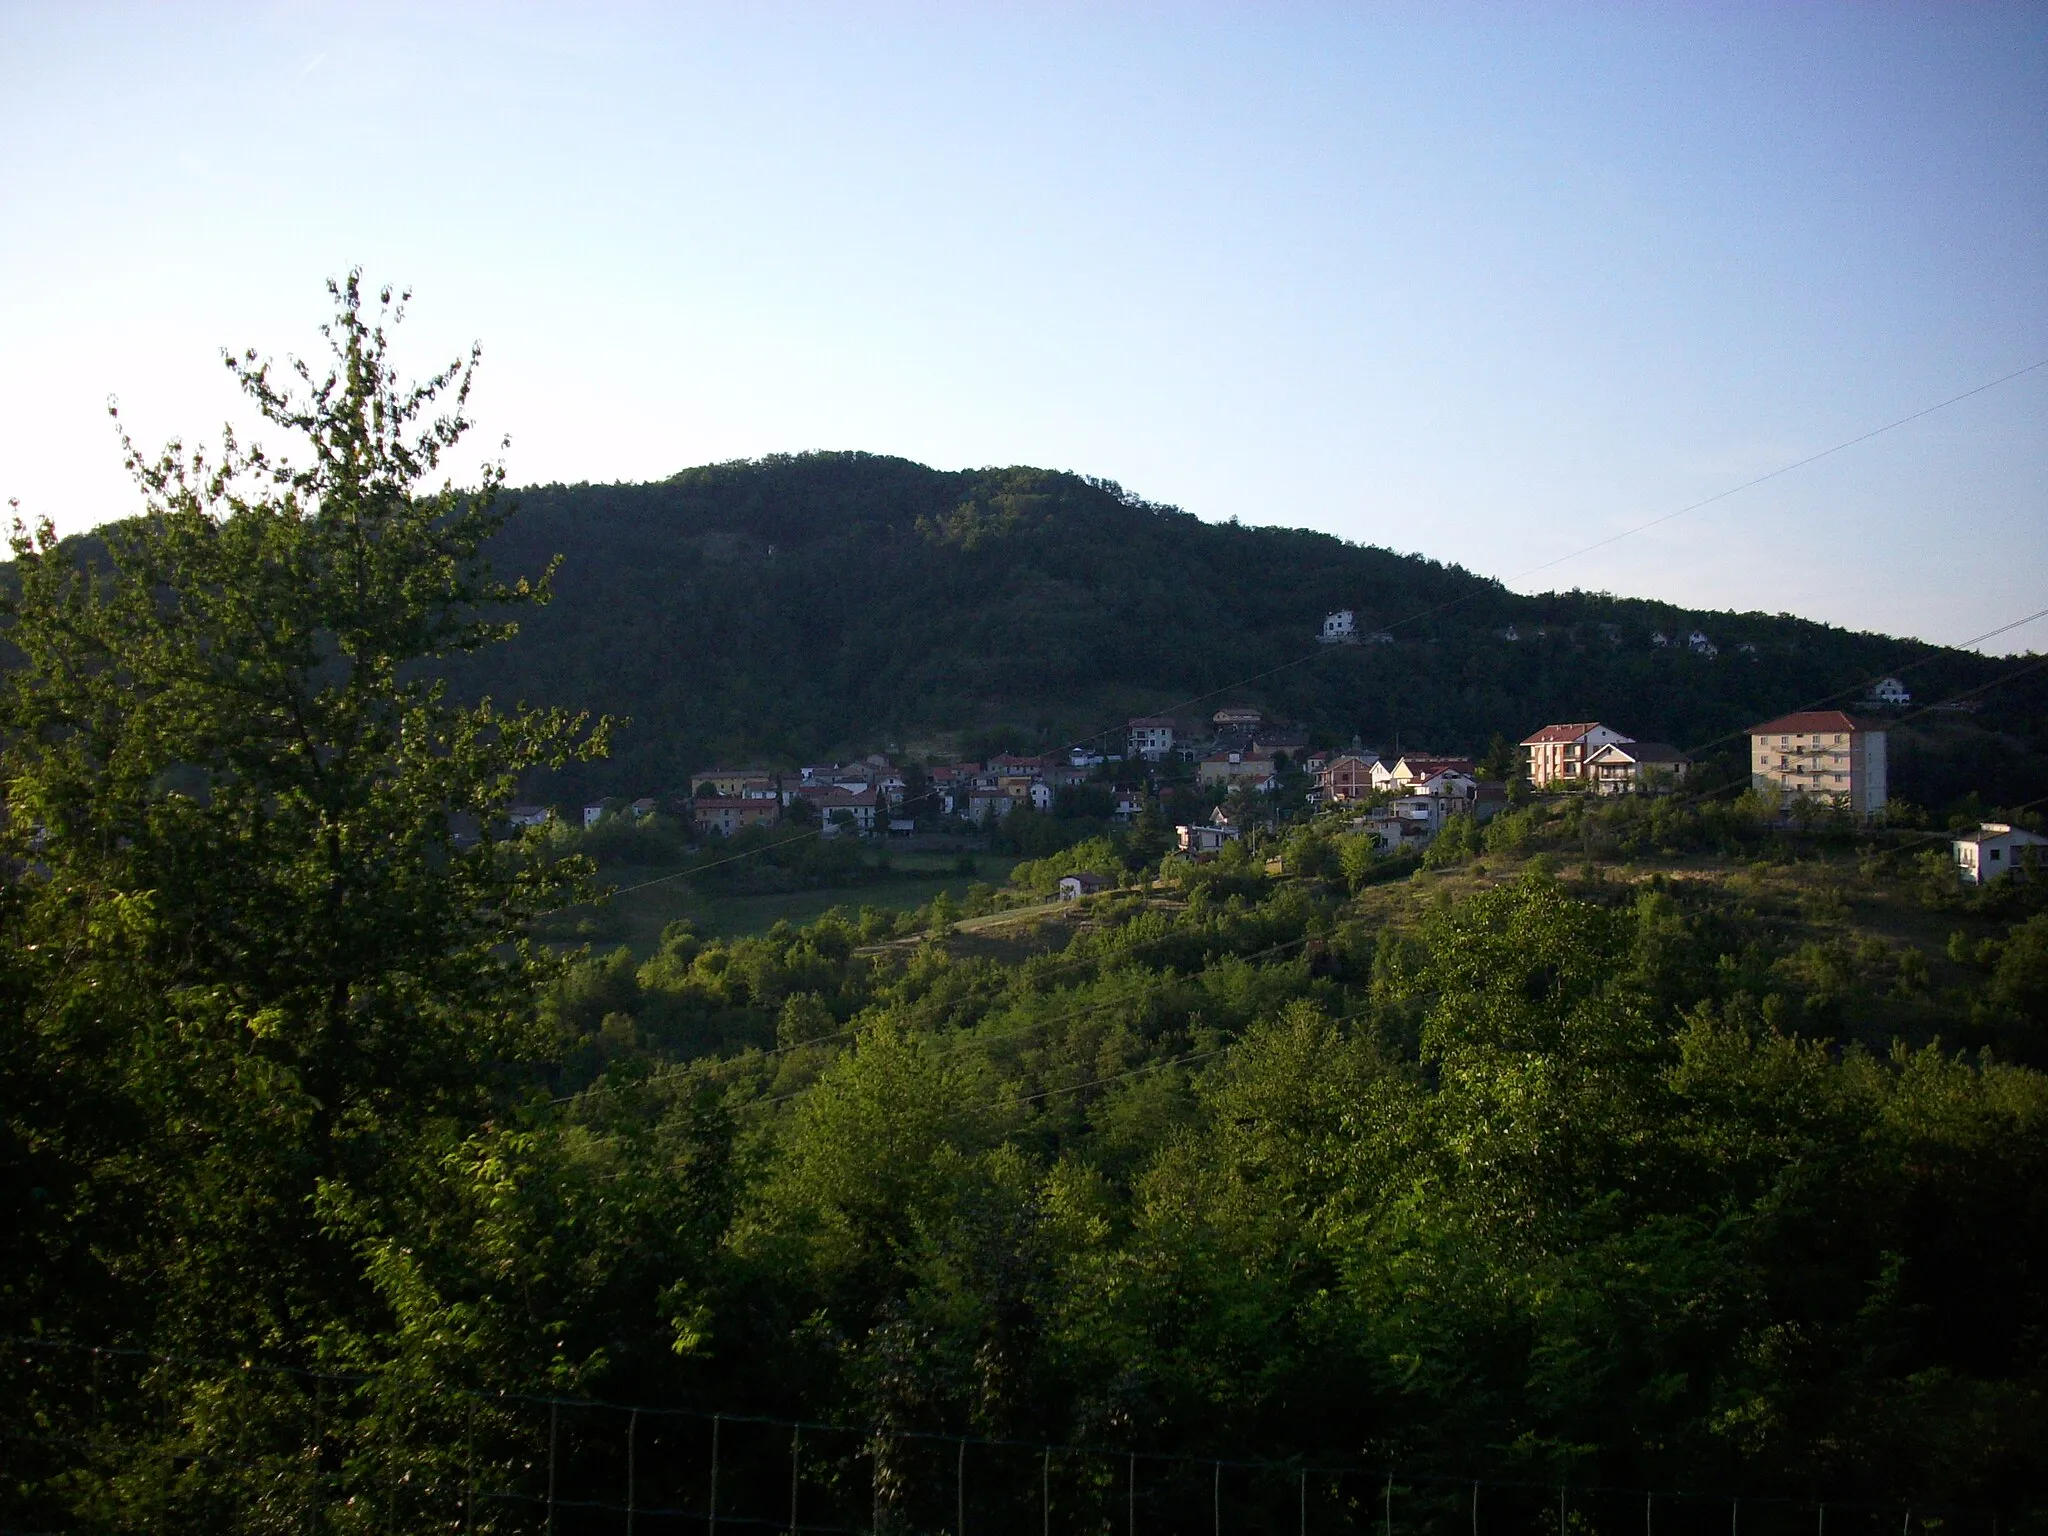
{"x": 796, "y": 605}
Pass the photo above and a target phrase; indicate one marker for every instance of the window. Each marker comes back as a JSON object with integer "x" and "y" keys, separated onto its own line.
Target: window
{"x": 1994, "y": 855}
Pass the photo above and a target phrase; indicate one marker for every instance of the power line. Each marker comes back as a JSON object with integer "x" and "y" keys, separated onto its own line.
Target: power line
{"x": 1734, "y": 490}
{"x": 1785, "y": 469}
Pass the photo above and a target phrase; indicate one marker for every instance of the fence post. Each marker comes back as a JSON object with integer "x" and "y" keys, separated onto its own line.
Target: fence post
{"x": 1045, "y": 1492}
{"x": 1216, "y": 1497}
{"x": 1390, "y": 1504}
{"x": 469, "y": 1466}
{"x": 319, "y": 1435}
{"x": 1131, "y": 1499}
{"x": 711, "y": 1512}
{"x": 632, "y": 1469}
{"x": 1648, "y": 1528}
{"x": 554, "y": 1426}
{"x": 1304, "y": 1501}
{"x": 960, "y": 1490}
{"x": 796, "y": 1451}
{"x": 1561, "y": 1516}
{"x": 1475, "y": 1507}
{"x": 1735, "y": 1517}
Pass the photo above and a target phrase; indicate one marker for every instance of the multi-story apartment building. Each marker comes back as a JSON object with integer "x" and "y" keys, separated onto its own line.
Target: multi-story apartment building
{"x": 1557, "y": 754}
{"x": 1821, "y": 755}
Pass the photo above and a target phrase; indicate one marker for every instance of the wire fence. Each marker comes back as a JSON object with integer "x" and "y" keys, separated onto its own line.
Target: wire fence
{"x": 125, "y": 1439}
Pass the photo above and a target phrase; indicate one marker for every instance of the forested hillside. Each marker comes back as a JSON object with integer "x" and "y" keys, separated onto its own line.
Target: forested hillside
{"x": 1630, "y": 1146}
{"x": 802, "y": 605}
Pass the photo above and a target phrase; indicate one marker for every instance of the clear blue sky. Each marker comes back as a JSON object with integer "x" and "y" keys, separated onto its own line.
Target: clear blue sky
{"x": 1486, "y": 283}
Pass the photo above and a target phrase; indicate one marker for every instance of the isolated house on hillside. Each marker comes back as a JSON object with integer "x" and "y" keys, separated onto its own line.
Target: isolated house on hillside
{"x": 1995, "y": 849}
{"x": 1339, "y": 628}
{"x": 1081, "y": 883}
{"x": 1557, "y": 754}
{"x": 1821, "y": 755}
{"x": 1206, "y": 837}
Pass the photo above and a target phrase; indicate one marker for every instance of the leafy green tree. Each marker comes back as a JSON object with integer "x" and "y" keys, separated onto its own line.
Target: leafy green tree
{"x": 1502, "y": 762}
{"x": 268, "y": 883}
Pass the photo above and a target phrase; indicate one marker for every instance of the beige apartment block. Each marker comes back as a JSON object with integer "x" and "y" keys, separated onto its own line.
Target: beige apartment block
{"x": 1821, "y": 755}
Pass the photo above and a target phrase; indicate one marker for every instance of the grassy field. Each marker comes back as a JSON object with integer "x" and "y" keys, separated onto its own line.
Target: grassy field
{"x": 635, "y": 917}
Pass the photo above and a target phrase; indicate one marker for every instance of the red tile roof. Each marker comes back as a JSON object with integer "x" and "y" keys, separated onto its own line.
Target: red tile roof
{"x": 1573, "y": 732}
{"x": 1811, "y": 720}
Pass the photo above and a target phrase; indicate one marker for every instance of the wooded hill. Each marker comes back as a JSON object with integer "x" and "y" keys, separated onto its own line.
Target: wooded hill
{"x": 798, "y": 606}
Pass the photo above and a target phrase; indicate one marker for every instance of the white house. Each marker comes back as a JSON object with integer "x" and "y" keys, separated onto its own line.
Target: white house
{"x": 1557, "y": 754}
{"x": 1407, "y": 775}
{"x": 1073, "y": 887}
{"x": 1443, "y": 780}
{"x": 837, "y": 806}
{"x": 1206, "y": 837}
{"x": 1339, "y": 628}
{"x": 1700, "y": 645}
{"x": 1996, "y": 849}
{"x": 1889, "y": 690}
{"x": 1623, "y": 767}
{"x": 1152, "y": 737}
{"x": 530, "y": 815}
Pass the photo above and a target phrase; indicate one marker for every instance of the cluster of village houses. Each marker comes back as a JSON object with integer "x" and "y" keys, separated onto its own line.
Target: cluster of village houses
{"x": 1822, "y": 757}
